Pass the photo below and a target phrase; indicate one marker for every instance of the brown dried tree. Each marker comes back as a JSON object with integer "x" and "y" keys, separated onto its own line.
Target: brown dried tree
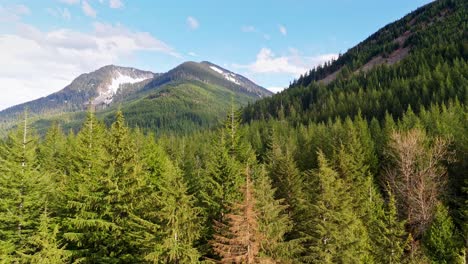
{"x": 417, "y": 176}
{"x": 238, "y": 239}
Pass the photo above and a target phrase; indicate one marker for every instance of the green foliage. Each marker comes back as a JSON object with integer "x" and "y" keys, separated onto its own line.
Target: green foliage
{"x": 116, "y": 195}
{"x": 441, "y": 240}
{"x": 274, "y": 222}
{"x": 21, "y": 190}
{"x": 434, "y": 71}
{"x": 337, "y": 234}
{"x": 390, "y": 238}
{"x": 172, "y": 224}
{"x": 43, "y": 246}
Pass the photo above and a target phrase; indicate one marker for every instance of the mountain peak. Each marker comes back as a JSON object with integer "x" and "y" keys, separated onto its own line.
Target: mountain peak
{"x": 209, "y": 72}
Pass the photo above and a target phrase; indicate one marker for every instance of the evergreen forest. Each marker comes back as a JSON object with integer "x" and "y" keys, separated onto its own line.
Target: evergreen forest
{"x": 370, "y": 167}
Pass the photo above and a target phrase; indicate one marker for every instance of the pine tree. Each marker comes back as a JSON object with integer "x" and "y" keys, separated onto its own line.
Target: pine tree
{"x": 290, "y": 187}
{"x": 102, "y": 205}
{"x": 441, "y": 240}
{"x": 238, "y": 239}
{"x": 273, "y": 222}
{"x": 171, "y": 219}
{"x": 21, "y": 190}
{"x": 391, "y": 238}
{"x": 336, "y": 230}
{"x": 53, "y": 162}
{"x": 43, "y": 246}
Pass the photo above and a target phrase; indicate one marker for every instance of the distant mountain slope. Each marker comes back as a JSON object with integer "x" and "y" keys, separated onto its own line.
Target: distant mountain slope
{"x": 208, "y": 72}
{"x": 414, "y": 62}
{"x": 188, "y": 97}
{"x": 98, "y": 87}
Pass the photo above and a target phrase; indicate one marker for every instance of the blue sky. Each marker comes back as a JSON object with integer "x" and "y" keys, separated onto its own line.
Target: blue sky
{"x": 45, "y": 44}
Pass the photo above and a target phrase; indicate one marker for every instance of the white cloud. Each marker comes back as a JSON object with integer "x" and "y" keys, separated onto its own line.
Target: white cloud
{"x": 283, "y": 30}
{"x": 36, "y": 63}
{"x": 192, "y": 22}
{"x": 59, "y": 12}
{"x": 276, "y": 89}
{"x": 88, "y": 9}
{"x": 293, "y": 64}
{"x": 248, "y": 29}
{"x": 115, "y": 4}
{"x": 70, "y": 2}
{"x": 65, "y": 14}
{"x": 193, "y": 54}
{"x": 13, "y": 13}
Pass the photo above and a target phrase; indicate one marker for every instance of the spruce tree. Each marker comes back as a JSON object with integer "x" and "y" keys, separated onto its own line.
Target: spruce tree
{"x": 391, "y": 239}
{"x": 274, "y": 222}
{"x": 238, "y": 239}
{"x": 102, "y": 205}
{"x": 21, "y": 190}
{"x": 44, "y": 246}
{"x": 441, "y": 241}
{"x": 336, "y": 230}
{"x": 52, "y": 156}
{"x": 168, "y": 216}
{"x": 223, "y": 178}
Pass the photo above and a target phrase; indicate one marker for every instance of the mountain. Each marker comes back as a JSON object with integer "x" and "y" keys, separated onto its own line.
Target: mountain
{"x": 414, "y": 62}
{"x": 98, "y": 86}
{"x": 190, "y": 96}
{"x": 208, "y": 72}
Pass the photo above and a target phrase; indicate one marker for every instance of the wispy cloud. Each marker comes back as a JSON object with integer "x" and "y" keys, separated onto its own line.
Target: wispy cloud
{"x": 13, "y": 13}
{"x": 62, "y": 55}
{"x": 193, "y": 54}
{"x": 88, "y": 9}
{"x": 59, "y": 12}
{"x": 192, "y": 23}
{"x": 70, "y": 2}
{"x": 282, "y": 29}
{"x": 115, "y": 4}
{"x": 293, "y": 63}
{"x": 248, "y": 29}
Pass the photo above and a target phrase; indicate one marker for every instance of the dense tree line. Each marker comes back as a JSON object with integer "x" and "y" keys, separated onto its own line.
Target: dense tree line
{"x": 370, "y": 168}
{"x": 434, "y": 71}
{"x": 342, "y": 191}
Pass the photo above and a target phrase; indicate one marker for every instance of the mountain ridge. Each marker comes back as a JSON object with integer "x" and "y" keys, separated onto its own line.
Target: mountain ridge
{"x": 111, "y": 86}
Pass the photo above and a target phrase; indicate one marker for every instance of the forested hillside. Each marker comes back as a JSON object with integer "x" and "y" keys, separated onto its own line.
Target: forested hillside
{"x": 369, "y": 167}
{"x": 190, "y": 97}
{"x": 434, "y": 71}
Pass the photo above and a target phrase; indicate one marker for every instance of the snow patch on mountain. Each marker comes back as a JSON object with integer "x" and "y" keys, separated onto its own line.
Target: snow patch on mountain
{"x": 216, "y": 69}
{"x": 231, "y": 77}
{"x": 107, "y": 95}
{"x": 122, "y": 79}
{"x": 227, "y": 75}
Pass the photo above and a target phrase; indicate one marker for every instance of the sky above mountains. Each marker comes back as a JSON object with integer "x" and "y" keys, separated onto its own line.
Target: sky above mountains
{"x": 45, "y": 44}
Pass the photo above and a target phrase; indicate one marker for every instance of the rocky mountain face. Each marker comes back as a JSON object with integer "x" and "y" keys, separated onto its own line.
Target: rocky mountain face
{"x": 205, "y": 86}
{"x": 97, "y": 87}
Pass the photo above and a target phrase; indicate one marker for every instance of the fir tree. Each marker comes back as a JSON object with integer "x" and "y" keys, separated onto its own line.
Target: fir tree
{"x": 441, "y": 240}
{"x": 21, "y": 190}
{"x": 336, "y": 230}
{"x": 101, "y": 226}
{"x": 44, "y": 246}
{"x": 273, "y": 222}
{"x": 391, "y": 238}
{"x": 172, "y": 224}
{"x": 238, "y": 239}
{"x": 290, "y": 187}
